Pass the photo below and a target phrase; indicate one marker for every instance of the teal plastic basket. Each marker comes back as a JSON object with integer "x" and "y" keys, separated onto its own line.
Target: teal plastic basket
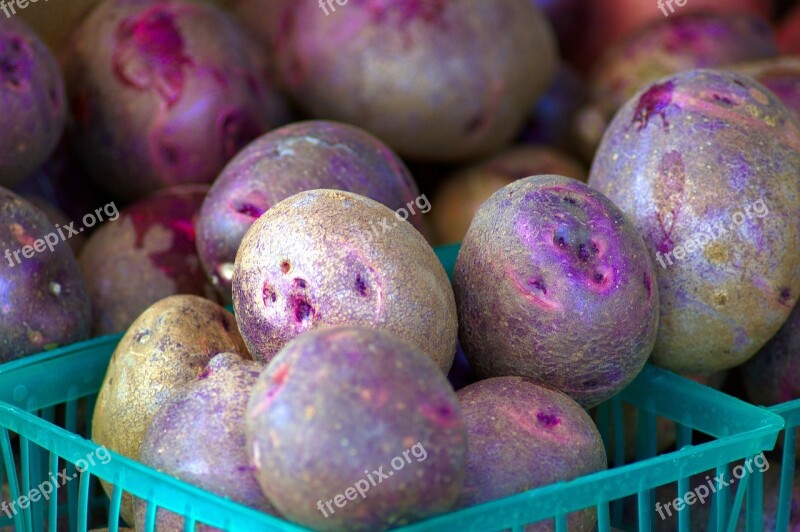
{"x": 42, "y": 396}
{"x": 790, "y": 412}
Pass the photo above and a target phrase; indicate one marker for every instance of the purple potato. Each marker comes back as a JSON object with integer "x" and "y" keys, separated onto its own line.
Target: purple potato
{"x": 43, "y": 299}
{"x": 297, "y": 157}
{"x": 198, "y": 436}
{"x": 144, "y": 254}
{"x": 458, "y": 198}
{"x": 706, "y": 163}
{"x": 312, "y": 261}
{"x": 554, "y": 283}
{"x": 372, "y": 403}
{"x": 523, "y": 436}
{"x": 670, "y": 45}
{"x": 772, "y": 376}
{"x": 164, "y": 93}
{"x": 781, "y": 76}
{"x": 437, "y": 81}
{"x": 32, "y": 101}
{"x": 167, "y": 347}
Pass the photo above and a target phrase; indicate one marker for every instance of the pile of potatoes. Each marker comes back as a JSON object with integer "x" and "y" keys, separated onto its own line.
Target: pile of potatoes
{"x": 624, "y": 181}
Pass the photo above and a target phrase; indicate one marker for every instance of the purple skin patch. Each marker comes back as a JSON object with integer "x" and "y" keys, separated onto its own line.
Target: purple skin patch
{"x": 653, "y": 103}
{"x": 576, "y": 250}
{"x": 16, "y": 63}
{"x": 548, "y": 421}
{"x": 669, "y": 191}
{"x": 174, "y": 212}
{"x": 150, "y": 54}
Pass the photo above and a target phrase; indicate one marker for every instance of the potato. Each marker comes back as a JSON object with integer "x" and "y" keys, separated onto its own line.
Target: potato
{"x": 669, "y": 46}
{"x": 44, "y": 303}
{"x": 32, "y": 101}
{"x": 614, "y": 20}
{"x": 300, "y": 156}
{"x": 554, "y": 283}
{"x": 706, "y": 163}
{"x": 198, "y": 437}
{"x": 523, "y": 436}
{"x": 144, "y": 254}
{"x": 437, "y": 81}
{"x": 780, "y": 75}
{"x": 164, "y": 93}
{"x": 459, "y": 196}
{"x": 329, "y": 257}
{"x": 166, "y": 347}
{"x": 356, "y": 413}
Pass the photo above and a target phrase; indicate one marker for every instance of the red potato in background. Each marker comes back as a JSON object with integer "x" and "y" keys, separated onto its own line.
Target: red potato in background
{"x": 143, "y": 254}
{"x": 780, "y": 75}
{"x": 611, "y": 21}
{"x": 164, "y": 93}
{"x": 668, "y": 46}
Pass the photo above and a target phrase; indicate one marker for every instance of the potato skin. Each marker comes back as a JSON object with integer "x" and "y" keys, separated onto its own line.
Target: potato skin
{"x": 367, "y": 397}
{"x": 780, "y": 75}
{"x": 614, "y": 20}
{"x": 198, "y": 436}
{"x": 554, "y": 283}
{"x": 166, "y": 347}
{"x": 44, "y": 299}
{"x": 145, "y": 255}
{"x": 683, "y": 157}
{"x": 164, "y": 93}
{"x": 458, "y": 198}
{"x": 671, "y": 45}
{"x": 32, "y": 101}
{"x": 522, "y": 436}
{"x": 311, "y": 261}
{"x": 301, "y": 156}
{"x": 437, "y": 81}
